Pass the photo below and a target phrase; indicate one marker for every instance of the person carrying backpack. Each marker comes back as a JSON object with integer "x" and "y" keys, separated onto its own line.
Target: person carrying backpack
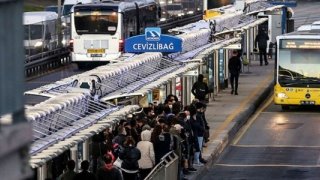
{"x": 200, "y": 89}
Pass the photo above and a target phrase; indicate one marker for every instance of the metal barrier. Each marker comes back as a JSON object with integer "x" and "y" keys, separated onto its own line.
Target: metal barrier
{"x": 167, "y": 169}
{"x": 41, "y": 63}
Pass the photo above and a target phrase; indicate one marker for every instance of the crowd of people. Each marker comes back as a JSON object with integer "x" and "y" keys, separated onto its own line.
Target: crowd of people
{"x": 132, "y": 149}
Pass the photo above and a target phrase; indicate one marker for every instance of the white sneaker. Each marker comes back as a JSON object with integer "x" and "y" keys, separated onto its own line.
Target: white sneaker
{"x": 198, "y": 164}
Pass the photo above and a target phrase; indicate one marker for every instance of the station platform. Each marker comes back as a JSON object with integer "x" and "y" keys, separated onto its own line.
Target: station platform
{"x": 227, "y": 113}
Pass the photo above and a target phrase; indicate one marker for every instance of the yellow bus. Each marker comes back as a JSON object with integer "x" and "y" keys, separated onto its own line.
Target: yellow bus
{"x": 298, "y": 68}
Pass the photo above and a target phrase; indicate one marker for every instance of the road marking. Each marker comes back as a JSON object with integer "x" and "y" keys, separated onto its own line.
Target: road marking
{"x": 251, "y": 120}
{"x": 272, "y": 146}
{"x": 232, "y": 116}
{"x": 268, "y": 165}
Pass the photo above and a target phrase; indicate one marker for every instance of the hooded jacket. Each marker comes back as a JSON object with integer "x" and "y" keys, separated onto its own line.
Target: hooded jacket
{"x": 147, "y": 152}
{"x": 130, "y": 156}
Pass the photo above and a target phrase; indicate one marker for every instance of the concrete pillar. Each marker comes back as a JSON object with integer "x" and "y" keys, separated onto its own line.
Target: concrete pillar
{"x": 42, "y": 172}
{"x": 183, "y": 92}
{"x": 173, "y": 86}
{"x": 247, "y": 35}
{"x": 86, "y": 150}
{"x": 216, "y": 66}
{"x": 188, "y": 89}
{"x": 74, "y": 156}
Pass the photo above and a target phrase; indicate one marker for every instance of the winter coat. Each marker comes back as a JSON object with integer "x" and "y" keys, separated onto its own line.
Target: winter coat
{"x": 200, "y": 90}
{"x": 262, "y": 40}
{"x": 146, "y": 148}
{"x": 234, "y": 65}
{"x": 197, "y": 126}
{"x": 84, "y": 175}
{"x": 163, "y": 145}
{"x": 113, "y": 173}
{"x": 130, "y": 156}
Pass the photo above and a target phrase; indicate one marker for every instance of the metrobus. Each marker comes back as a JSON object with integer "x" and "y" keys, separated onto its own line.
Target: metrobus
{"x": 40, "y": 31}
{"x": 298, "y": 68}
{"x": 98, "y": 30}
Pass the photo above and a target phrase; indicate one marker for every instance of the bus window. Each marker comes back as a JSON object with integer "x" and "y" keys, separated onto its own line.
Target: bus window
{"x": 96, "y": 21}
{"x": 33, "y": 32}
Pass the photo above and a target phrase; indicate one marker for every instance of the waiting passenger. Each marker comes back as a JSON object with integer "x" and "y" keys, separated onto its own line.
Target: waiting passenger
{"x": 147, "y": 160}
{"x": 130, "y": 156}
{"x": 85, "y": 174}
{"x": 108, "y": 171}
{"x": 69, "y": 174}
{"x": 200, "y": 89}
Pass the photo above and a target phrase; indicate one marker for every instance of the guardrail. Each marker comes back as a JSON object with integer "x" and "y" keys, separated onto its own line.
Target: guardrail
{"x": 167, "y": 169}
{"x": 41, "y": 63}
{"x": 166, "y": 25}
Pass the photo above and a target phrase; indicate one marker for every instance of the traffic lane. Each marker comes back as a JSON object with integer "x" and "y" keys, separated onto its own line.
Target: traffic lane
{"x": 52, "y": 76}
{"x": 220, "y": 172}
{"x": 274, "y": 145}
{"x": 285, "y": 129}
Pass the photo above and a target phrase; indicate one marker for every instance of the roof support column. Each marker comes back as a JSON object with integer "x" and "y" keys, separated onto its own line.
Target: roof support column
{"x": 74, "y": 156}
{"x": 86, "y": 150}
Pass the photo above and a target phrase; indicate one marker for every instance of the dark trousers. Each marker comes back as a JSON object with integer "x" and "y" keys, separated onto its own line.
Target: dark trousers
{"x": 130, "y": 176}
{"x": 144, "y": 173}
{"x": 263, "y": 52}
{"x": 234, "y": 78}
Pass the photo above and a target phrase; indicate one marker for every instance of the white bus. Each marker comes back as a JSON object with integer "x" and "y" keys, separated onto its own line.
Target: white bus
{"x": 98, "y": 30}
{"x": 40, "y": 31}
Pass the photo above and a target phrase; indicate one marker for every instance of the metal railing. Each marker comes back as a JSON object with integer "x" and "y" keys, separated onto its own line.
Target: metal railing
{"x": 167, "y": 169}
{"x": 41, "y": 63}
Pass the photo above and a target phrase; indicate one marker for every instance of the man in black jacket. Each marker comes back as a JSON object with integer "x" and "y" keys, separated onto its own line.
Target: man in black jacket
{"x": 234, "y": 66}
{"x": 200, "y": 89}
{"x": 262, "y": 41}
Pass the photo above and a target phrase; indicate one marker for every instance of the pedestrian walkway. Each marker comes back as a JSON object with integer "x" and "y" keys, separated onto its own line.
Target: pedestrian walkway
{"x": 229, "y": 112}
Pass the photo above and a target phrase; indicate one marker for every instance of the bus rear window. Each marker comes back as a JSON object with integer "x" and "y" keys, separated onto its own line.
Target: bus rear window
{"x": 96, "y": 22}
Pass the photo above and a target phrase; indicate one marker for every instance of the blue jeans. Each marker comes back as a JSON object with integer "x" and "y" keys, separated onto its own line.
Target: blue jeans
{"x": 197, "y": 154}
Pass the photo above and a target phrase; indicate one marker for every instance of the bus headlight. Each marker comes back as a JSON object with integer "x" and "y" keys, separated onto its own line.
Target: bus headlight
{"x": 38, "y": 44}
{"x": 282, "y": 95}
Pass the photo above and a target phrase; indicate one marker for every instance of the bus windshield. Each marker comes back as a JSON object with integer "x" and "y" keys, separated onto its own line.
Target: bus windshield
{"x": 32, "y": 32}
{"x": 93, "y": 21}
{"x": 299, "y": 67}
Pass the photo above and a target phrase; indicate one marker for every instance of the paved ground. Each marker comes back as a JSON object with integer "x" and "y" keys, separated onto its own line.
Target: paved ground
{"x": 229, "y": 112}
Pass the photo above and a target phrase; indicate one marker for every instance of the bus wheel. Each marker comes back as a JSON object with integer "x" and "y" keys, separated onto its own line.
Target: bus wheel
{"x": 285, "y": 107}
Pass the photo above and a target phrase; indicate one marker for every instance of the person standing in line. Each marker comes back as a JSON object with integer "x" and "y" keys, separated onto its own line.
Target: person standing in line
{"x": 69, "y": 174}
{"x": 262, "y": 41}
{"x": 197, "y": 126}
{"x": 147, "y": 160}
{"x": 200, "y": 89}
{"x": 130, "y": 156}
{"x": 234, "y": 66}
{"x": 85, "y": 174}
{"x": 109, "y": 171}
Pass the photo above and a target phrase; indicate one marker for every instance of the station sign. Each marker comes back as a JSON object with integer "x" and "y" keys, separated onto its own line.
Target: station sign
{"x": 153, "y": 41}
